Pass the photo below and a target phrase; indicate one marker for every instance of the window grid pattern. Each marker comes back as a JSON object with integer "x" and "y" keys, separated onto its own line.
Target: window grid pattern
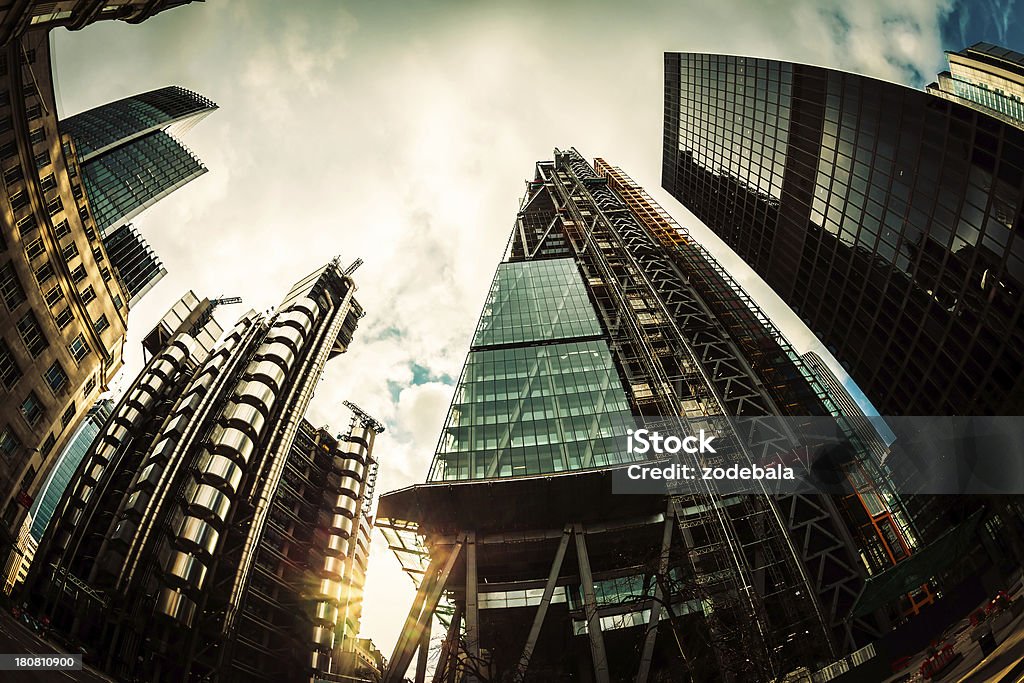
{"x": 536, "y": 300}
{"x": 895, "y": 232}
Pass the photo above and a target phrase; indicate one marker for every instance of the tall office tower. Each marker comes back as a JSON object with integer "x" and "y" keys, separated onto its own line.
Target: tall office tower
{"x": 130, "y": 156}
{"x": 62, "y": 323}
{"x": 887, "y": 218}
{"x": 986, "y": 77}
{"x": 166, "y": 531}
{"x": 131, "y": 159}
{"x": 24, "y": 15}
{"x": 604, "y": 313}
{"x": 300, "y": 616}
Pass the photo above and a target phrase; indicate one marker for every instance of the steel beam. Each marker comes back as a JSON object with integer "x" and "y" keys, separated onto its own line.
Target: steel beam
{"x": 545, "y": 601}
{"x": 597, "y": 651}
{"x": 660, "y": 598}
{"x": 422, "y": 610}
{"x": 472, "y": 610}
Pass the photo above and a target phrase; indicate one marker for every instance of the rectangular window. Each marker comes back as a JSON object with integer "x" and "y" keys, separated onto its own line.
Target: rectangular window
{"x": 13, "y": 175}
{"x": 32, "y": 334}
{"x": 97, "y": 253}
{"x": 83, "y": 212}
{"x": 32, "y": 409}
{"x": 89, "y": 386}
{"x": 105, "y": 272}
{"x": 55, "y": 295}
{"x": 62, "y": 228}
{"x": 65, "y": 317}
{"x": 19, "y": 200}
{"x": 27, "y": 224}
{"x": 9, "y": 442}
{"x": 10, "y": 287}
{"x": 69, "y": 251}
{"x": 43, "y": 159}
{"x": 35, "y": 248}
{"x": 56, "y": 377}
{"x": 38, "y": 135}
{"x": 88, "y": 294}
{"x": 118, "y": 303}
{"x": 44, "y": 272}
{"x": 54, "y": 206}
{"x": 34, "y": 112}
{"x": 8, "y": 150}
{"x": 68, "y": 415}
{"x": 78, "y": 274}
{"x": 10, "y": 373}
{"x": 76, "y": 192}
{"x": 48, "y": 445}
{"x": 101, "y": 324}
{"x": 90, "y": 234}
{"x": 79, "y": 349}
{"x": 48, "y": 183}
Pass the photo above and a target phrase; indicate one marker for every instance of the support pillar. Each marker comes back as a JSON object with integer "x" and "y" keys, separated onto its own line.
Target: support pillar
{"x": 661, "y": 598}
{"x": 597, "y": 651}
{"x": 545, "y": 602}
{"x": 472, "y": 611}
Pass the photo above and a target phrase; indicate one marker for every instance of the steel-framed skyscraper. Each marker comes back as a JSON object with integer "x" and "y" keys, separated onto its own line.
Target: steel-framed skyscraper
{"x": 605, "y": 312}
{"x": 187, "y": 498}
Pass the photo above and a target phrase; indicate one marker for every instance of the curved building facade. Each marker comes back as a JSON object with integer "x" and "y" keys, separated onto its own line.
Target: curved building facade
{"x": 161, "y": 530}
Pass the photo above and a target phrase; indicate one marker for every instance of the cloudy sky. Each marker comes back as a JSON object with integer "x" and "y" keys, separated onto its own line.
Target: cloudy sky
{"x": 402, "y": 133}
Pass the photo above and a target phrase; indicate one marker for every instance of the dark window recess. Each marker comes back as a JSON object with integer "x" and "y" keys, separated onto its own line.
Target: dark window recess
{"x": 10, "y": 371}
{"x": 10, "y": 287}
{"x": 13, "y": 175}
{"x": 48, "y": 183}
{"x": 44, "y": 273}
{"x": 38, "y": 135}
{"x": 70, "y": 251}
{"x": 32, "y": 409}
{"x": 48, "y": 445}
{"x": 32, "y": 334}
{"x": 35, "y": 248}
{"x": 88, "y": 294}
{"x": 83, "y": 212}
{"x": 79, "y": 350}
{"x": 101, "y": 324}
{"x": 78, "y": 274}
{"x": 9, "y": 442}
{"x": 19, "y": 200}
{"x": 54, "y": 295}
{"x": 43, "y": 159}
{"x": 27, "y": 224}
{"x": 54, "y": 206}
{"x": 90, "y": 234}
{"x": 56, "y": 377}
{"x": 68, "y": 415}
{"x": 33, "y": 112}
{"x": 91, "y": 384}
{"x": 65, "y": 317}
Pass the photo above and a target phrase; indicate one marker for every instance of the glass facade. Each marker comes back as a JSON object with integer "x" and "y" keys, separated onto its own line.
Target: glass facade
{"x": 887, "y": 218}
{"x": 102, "y": 128}
{"x": 126, "y": 180}
{"x": 137, "y": 265}
{"x": 986, "y": 76}
{"x": 64, "y": 469}
{"x": 539, "y": 392}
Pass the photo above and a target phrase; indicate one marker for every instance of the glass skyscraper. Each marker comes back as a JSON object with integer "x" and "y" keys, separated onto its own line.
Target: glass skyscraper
{"x": 887, "y": 218}
{"x": 605, "y": 315}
